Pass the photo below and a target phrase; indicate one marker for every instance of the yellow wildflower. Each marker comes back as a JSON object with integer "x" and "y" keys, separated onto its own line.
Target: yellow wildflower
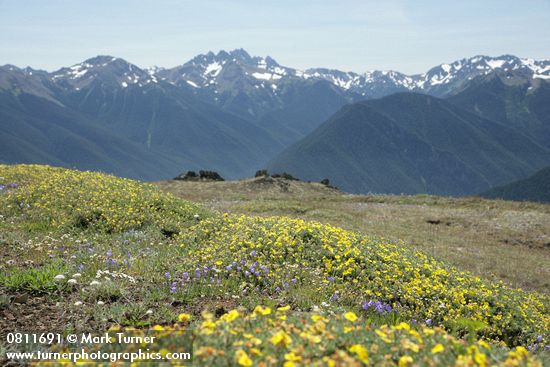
{"x": 318, "y": 318}
{"x": 292, "y": 357}
{"x": 256, "y": 352}
{"x": 361, "y": 352}
{"x": 259, "y": 310}
{"x": 481, "y": 359}
{"x": 242, "y": 358}
{"x": 405, "y": 361}
{"x": 183, "y": 317}
{"x": 438, "y": 348}
{"x": 230, "y": 316}
{"x": 208, "y": 327}
{"x": 403, "y": 326}
{"x": 281, "y": 338}
{"x": 350, "y": 316}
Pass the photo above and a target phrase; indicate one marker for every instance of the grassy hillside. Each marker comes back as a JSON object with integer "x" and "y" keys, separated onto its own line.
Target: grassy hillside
{"x": 465, "y": 232}
{"x": 534, "y": 188}
{"x": 89, "y": 252}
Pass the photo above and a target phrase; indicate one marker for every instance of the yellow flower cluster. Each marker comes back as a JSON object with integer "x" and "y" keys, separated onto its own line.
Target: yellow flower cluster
{"x": 239, "y": 338}
{"x": 362, "y": 269}
{"x": 366, "y": 286}
{"x": 59, "y": 197}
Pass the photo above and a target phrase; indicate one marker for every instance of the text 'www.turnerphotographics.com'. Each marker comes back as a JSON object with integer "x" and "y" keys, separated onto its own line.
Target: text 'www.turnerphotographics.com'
{"x": 111, "y": 347}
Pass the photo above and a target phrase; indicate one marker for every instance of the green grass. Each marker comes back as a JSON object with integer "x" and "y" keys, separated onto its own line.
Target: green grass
{"x": 470, "y": 231}
{"x": 150, "y": 257}
{"x": 35, "y": 280}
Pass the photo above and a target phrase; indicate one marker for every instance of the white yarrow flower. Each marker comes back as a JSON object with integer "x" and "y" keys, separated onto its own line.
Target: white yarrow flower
{"x": 59, "y": 277}
{"x": 95, "y": 282}
{"x": 71, "y": 281}
{"x": 78, "y": 303}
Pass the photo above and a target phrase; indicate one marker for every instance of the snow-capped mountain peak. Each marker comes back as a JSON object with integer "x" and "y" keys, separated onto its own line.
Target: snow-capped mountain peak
{"x": 236, "y": 71}
{"x": 107, "y": 69}
{"x": 219, "y": 71}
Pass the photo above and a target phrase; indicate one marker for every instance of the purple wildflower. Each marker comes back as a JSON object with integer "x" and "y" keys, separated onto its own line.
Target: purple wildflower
{"x": 174, "y": 287}
{"x": 429, "y": 322}
{"x": 378, "y": 306}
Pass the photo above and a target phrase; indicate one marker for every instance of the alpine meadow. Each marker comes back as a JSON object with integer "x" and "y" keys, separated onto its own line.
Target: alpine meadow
{"x": 165, "y": 205}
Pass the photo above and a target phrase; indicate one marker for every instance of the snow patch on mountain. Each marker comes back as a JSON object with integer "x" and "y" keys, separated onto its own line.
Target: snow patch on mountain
{"x": 235, "y": 70}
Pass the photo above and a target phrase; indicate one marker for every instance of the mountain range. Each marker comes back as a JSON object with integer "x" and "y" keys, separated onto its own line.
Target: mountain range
{"x": 533, "y": 188}
{"x": 412, "y": 143}
{"x": 232, "y": 112}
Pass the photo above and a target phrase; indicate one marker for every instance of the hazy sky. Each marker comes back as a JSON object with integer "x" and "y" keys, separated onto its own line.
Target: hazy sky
{"x": 358, "y": 35}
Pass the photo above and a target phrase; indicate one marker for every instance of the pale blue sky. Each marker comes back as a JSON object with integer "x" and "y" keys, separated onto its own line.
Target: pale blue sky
{"x": 358, "y": 35}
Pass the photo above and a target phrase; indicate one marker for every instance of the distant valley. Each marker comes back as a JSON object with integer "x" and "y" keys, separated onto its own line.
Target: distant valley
{"x": 458, "y": 129}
